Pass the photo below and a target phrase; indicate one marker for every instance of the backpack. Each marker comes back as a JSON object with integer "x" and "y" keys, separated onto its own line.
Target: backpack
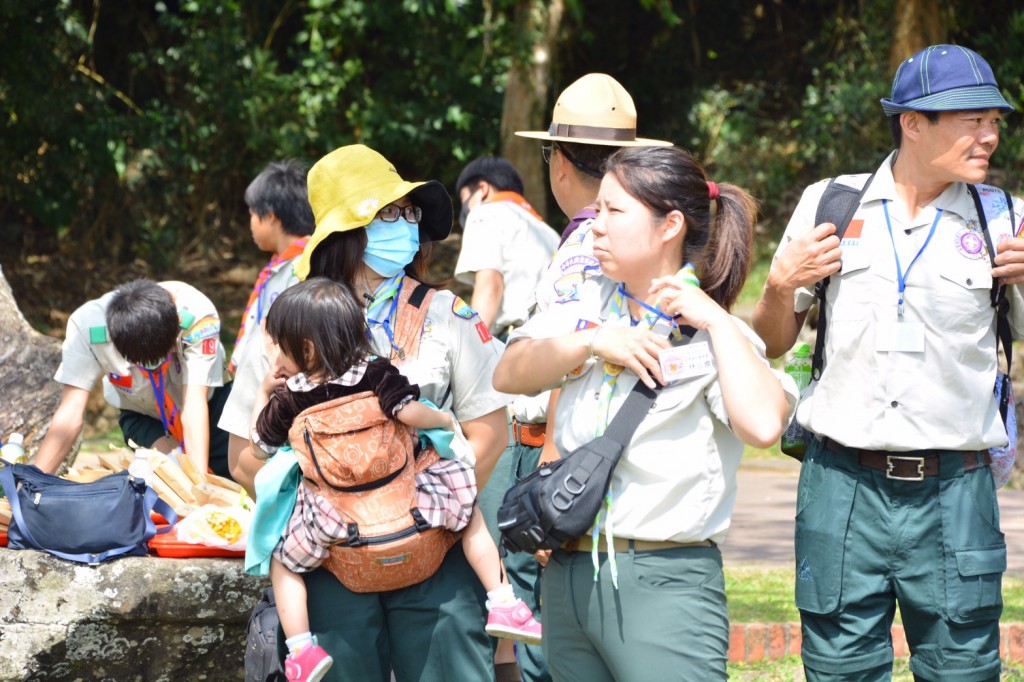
{"x": 261, "y": 661}
{"x": 365, "y": 464}
{"x": 839, "y": 203}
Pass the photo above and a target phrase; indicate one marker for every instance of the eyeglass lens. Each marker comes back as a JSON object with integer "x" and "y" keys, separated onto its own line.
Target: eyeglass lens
{"x": 390, "y": 213}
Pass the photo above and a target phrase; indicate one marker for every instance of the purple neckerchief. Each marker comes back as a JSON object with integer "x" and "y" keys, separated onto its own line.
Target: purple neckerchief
{"x": 586, "y": 214}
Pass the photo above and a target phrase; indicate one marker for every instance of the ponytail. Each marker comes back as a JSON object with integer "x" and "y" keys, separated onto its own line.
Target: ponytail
{"x": 726, "y": 259}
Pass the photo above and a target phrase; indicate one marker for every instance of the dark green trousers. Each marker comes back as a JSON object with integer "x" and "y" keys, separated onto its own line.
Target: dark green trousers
{"x": 865, "y": 543}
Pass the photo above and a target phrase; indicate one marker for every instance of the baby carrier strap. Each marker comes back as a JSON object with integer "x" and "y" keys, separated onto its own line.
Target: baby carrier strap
{"x": 413, "y": 303}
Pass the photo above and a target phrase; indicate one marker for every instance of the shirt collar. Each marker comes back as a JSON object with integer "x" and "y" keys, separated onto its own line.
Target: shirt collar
{"x": 954, "y": 199}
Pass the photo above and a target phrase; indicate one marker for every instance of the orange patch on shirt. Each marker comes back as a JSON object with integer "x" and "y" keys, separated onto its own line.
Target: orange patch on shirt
{"x": 209, "y": 346}
{"x": 854, "y": 230}
{"x": 483, "y": 332}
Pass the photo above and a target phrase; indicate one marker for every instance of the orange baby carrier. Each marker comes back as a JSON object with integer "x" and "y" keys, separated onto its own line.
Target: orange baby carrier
{"x": 363, "y": 462}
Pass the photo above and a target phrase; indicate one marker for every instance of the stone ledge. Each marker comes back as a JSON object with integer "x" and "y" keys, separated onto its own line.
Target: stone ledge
{"x": 137, "y": 618}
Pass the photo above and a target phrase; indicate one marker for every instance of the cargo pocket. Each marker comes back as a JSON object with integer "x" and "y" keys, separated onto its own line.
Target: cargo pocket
{"x": 975, "y": 548}
{"x": 974, "y": 579}
{"x": 825, "y": 499}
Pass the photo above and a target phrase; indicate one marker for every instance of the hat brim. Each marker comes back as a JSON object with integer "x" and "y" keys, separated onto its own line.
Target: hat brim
{"x": 430, "y": 196}
{"x": 975, "y": 98}
{"x": 638, "y": 142}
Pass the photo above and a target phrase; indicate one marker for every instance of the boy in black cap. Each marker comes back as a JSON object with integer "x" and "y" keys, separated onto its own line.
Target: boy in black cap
{"x": 896, "y": 501}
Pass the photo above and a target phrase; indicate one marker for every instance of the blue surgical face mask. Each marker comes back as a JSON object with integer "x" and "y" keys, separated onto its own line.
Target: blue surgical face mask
{"x": 391, "y": 246}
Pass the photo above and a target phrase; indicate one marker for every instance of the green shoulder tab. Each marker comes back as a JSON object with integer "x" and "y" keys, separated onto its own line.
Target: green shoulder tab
{"x": 97, "y": 335}
{"x": 186, "y": 318}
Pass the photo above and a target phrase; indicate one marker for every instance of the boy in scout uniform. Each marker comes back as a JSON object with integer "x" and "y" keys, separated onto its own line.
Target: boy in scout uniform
{"x": 157, "y": 348}
{"x": 896, "y": 502}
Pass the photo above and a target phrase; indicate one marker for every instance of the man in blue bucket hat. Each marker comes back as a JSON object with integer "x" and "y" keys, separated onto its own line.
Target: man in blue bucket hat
{"x": 896, "y": 502}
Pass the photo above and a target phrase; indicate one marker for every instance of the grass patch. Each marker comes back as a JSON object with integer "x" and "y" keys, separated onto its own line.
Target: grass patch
{"x": 774, "y": 452}
{"x": 760, "y": 595}
{"x": 766, "y": 596}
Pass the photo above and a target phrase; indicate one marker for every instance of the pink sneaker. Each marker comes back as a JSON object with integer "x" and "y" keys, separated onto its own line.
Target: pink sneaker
{"x": 514, "y": 621}
{"x": 309, "y": 665}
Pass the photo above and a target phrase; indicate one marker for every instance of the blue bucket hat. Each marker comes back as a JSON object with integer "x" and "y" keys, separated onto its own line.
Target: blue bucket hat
{"x": 944, "y": 78}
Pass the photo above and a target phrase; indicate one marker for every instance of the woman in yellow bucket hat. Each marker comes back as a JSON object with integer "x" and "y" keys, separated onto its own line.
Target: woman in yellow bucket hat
{"x": 373, "y": 232}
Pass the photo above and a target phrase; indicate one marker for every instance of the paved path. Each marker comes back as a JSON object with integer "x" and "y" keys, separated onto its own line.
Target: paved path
{"x": 762, "y": 523}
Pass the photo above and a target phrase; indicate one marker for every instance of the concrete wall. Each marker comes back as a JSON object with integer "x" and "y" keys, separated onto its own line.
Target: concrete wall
{"x": 139, "y": 618}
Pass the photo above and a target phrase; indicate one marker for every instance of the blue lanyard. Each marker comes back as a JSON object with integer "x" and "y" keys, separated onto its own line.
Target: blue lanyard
{"x": 653, "y": 311}
{"x": 901, "y": 277}
{"x": 386, "y": 322}
{"x": 156, "y": 379}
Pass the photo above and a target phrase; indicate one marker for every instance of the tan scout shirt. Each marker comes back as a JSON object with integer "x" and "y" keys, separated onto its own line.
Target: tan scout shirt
{"x": 677, "y": 479}
{"x": 88, "y": 353}
{"x": 942, "y": 396}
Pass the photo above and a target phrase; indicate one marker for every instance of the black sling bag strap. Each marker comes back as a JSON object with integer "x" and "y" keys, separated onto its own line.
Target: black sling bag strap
{"x": 837, "y": 205}
{"x": 559, "y": 502}
{"x": 1004, "y": 336}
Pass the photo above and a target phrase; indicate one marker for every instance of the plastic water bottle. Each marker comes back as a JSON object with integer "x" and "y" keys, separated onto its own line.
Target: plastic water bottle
{"x": 794, "y": 440}
{"x": 14, "y": 450}
{"x": 140, "y": 467}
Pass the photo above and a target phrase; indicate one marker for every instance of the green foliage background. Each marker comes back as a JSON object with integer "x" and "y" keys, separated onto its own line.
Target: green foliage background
{"x": 130, "y": 130}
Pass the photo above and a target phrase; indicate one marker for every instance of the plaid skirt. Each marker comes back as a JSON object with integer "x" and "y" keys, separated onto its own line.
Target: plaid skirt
{"x": 445, "y": 495}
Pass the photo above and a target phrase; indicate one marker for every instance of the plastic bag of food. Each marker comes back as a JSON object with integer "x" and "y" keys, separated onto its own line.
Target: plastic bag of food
{"x": 213, "y": 526}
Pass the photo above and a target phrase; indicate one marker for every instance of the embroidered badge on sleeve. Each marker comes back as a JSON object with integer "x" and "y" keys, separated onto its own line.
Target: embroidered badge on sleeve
{"x": 206, "y": 328}
{"x": 461, "y": 309}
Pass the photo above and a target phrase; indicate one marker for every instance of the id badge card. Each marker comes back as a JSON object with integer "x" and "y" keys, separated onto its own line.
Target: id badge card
{"x": 684, "y": 362}
{"x": 905, "y": 337}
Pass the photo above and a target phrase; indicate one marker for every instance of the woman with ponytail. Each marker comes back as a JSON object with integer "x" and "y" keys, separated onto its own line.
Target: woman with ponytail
{"x": 647, "y": 601}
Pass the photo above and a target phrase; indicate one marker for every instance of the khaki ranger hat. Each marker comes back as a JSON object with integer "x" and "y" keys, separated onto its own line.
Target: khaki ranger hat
{"x": 595, "y": 109}
{"x": 347, "y": 188}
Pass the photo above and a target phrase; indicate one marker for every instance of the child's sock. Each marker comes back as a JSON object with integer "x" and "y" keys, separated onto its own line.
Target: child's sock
{"x": 299, "y": 642}
{"x": 502, "y": 596}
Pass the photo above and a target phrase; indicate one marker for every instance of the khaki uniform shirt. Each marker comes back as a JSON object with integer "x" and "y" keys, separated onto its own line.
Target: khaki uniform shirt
{"x": 502, "y": 236}
{"x": 572, "y": 265}
{"x": 88, "y": 353}
{"x": 940, "y": 397}
{"x": 677, "y": 479}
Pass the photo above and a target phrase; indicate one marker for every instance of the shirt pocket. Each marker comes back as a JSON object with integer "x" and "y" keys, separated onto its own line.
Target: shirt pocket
{"x": 852, "y": 300}
{"x": 962, "y": 296}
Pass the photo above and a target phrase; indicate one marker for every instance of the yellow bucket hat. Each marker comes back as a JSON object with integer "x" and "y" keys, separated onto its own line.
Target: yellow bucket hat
{"x": 595, "y": 109}
{"x": 347, "y": 188}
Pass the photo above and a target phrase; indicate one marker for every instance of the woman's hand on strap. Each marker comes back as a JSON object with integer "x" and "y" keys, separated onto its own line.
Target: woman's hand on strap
{"x": 631, "y": 347}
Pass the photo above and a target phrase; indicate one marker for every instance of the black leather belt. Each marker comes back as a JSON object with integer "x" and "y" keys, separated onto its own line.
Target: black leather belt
{"x": 909, "y": 467}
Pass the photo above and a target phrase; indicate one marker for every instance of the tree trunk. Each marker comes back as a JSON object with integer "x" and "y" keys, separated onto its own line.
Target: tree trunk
{"x": 29, "y": 359}
{"x": 919, "y": 23}
{"x": 526, "y": 95}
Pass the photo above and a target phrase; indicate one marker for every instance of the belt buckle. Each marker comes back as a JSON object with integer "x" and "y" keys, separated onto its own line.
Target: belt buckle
{"x": 890, "y": 463}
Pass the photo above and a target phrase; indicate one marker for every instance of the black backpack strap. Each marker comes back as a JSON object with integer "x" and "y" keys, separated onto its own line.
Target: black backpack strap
{"x": 1004, "y": 335}
{"x": 837, "y": 205}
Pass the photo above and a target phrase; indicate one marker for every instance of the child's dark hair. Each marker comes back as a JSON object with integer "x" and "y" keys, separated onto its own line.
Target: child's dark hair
{"x": 281, "y": 189}
{"x": 143, "y": 321}
{"x": 325, "y": 313}
{"x": 667, "y": 179}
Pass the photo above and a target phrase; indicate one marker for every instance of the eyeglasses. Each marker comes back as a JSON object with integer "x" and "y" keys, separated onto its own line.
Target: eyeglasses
{"x": 545, "y": 152}
{"x": 546, "y": 149}
{"x": 391, "y": 212}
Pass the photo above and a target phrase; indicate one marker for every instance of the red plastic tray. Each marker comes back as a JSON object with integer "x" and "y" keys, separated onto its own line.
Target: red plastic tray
{"x": 3, "y": 538}
{"x": 168, "y": 545}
